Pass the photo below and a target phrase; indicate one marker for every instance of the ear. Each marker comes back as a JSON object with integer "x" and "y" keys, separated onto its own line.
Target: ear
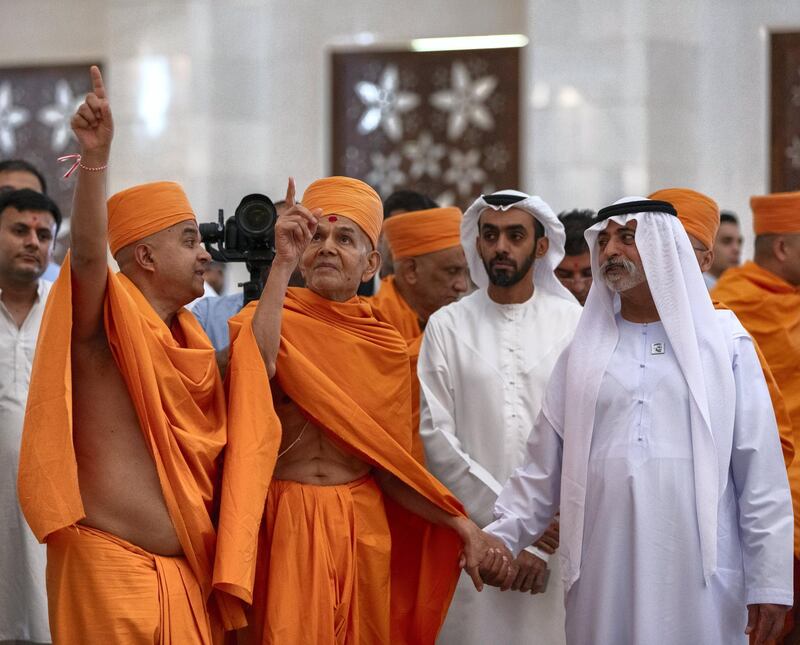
{"x": 373, "y": 264}
{"x": 144, "y": 257}
{"x": 408, "y": 269}
{"x": 542, "y": 245}
{"x": 779, "y": 249}
{"x": 707, "y": 260}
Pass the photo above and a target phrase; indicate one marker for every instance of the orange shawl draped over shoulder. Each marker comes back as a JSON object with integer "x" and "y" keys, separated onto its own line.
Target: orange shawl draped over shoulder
{"x": 349, "y": 373}
{"x": 769, "y": 308}
{"x": 389, "y": 306}
{"x": 179, "y": 400}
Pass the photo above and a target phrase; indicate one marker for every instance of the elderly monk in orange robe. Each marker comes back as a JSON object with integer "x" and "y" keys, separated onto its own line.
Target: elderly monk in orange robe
{"x": 765, "y": 295}
{"x": 430, "y": 271}
{"x": 126, "y": 418}
{"x": 358, "y": 544}
{"x": 699, "y": 215}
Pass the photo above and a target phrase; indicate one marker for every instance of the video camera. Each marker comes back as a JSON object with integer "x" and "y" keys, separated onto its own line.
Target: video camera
{"x": 248, "y": 236}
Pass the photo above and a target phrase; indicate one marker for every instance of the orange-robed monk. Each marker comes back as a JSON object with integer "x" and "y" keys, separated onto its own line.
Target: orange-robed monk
{"x": 126, "y": 418}
{"x": 430, "y": 271}
{"x": 358, "y": 543}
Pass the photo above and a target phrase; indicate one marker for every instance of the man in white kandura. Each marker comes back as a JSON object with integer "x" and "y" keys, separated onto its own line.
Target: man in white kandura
{"x": 484, "y": 364}
{"x": 657, "y": 442}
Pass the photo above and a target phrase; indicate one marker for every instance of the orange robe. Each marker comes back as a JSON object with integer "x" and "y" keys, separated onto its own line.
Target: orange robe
{"x": 336, "y": 564}
{"x": 389, "y": 306}
{"x": 769, "y": 308}
{"x": 102, "y": 589}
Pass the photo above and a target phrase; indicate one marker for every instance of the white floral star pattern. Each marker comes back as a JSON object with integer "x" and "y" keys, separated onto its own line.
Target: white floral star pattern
{"x": 10, "y": 119}
{"x": 58, "y": 115}
{"x": 385, "y": 103}
{"x": 465, "y": 101}
{"x": 385, "y": 173}
{"x": 793, "y": 153}
{"x": 464, "y": 171}
{"x": 425, "y": 155}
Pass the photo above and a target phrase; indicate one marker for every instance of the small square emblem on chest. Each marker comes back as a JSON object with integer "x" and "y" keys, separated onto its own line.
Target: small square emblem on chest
{"x": 657, "y": 348}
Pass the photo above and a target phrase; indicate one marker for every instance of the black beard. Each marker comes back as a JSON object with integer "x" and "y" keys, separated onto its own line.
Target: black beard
{"x": 504, "y": 278}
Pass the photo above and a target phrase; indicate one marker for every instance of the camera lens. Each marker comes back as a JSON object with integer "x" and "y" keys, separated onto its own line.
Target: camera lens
{"x": 210, "y": 232}
{"x": 256, "y": 216}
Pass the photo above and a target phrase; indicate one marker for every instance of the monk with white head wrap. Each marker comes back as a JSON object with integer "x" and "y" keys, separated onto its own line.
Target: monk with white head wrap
{"x": 483, "y": 367}
{"x": 658, "y": 444}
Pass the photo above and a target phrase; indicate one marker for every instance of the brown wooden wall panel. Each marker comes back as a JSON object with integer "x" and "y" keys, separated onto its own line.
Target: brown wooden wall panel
{"x": 785, "y": 112}
{"x": 445, "y": 124}
{"x": 36, "y": 105}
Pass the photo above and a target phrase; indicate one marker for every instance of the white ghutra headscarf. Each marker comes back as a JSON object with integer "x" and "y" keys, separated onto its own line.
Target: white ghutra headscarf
{"x": 701, "y": 348}
{"x": 543, "y": 276}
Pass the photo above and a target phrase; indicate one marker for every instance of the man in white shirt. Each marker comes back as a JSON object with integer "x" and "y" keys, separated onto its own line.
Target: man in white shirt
{"x": 483, "y": 368}
{"x": 657, "y": 442}
{"x": 28, "y": 224}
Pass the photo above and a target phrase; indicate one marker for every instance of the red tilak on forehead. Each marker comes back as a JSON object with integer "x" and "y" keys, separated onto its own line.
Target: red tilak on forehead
{"x": 333, "y": 218}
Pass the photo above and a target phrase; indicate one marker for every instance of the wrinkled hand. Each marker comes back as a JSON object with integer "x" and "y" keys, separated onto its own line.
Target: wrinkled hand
{"x": 92, "y": 122}
{"x": 765, "y": 622}
{"x": 549, "y": 541}
{"x": 484, "y": 557}
{"x": 294, "y": 230}
{"x": 532, "y": 574}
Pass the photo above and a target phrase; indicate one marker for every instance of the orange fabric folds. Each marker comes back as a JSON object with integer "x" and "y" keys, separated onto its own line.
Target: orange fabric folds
{"x": 769, "y": 308}
{"x": 180, "y": 403}
{"x": 254, "y": 433}
{"x": 350, "y": 198}
{"x": 776, "y": 213}
{"x": 349, "y": 373}
{"x": 140, "y": 211}
{"x": 147, "y": 594}
{"x": 698, "y": 213}
{"x": 420, "y": 232}
{"x": 324, "y": 547}
{"x": 390, "y": 307}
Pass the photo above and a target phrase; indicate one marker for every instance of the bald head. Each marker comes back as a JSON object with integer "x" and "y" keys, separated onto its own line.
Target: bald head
{"x": 779, "y": 253}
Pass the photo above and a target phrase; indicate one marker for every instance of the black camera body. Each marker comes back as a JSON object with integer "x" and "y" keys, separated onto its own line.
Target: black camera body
{"x": 248, "y": 236}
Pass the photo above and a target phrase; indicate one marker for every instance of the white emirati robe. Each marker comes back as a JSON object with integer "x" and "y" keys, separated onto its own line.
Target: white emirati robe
{"x": 641, "y": 574}
{"x": 483, "y": 369}
{"x": 23, "y": 596}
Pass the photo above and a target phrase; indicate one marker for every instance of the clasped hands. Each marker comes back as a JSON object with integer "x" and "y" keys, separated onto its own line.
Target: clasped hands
{"x": 487, "y": 560}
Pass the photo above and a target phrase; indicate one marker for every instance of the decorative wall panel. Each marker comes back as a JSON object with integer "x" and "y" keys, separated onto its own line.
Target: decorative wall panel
{"x": 785, "y": 112}
{"x": 446, "y": 124}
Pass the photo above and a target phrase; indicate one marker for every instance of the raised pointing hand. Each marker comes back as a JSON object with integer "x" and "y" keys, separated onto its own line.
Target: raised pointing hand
{"x": 92, "y": 122}
{"x": 294, "y": 229}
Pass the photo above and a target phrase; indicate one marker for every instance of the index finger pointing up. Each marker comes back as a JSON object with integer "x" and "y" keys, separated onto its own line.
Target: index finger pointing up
{"x": 97, "y": 82}
{"x": 290, "y": 191}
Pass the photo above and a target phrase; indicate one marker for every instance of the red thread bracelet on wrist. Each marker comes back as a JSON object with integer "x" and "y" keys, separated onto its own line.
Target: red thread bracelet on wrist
{"x": 78, "y": 164}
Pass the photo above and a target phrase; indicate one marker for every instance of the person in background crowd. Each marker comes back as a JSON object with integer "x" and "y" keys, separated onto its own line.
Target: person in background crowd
{"x": 29, "y": 221}
{"x": 727, "y": 248}
{"x": 575, "y": 270}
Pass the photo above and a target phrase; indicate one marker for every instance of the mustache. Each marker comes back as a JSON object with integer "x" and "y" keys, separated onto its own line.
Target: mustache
{"x": 502, "y": 258}
{"x": 625, "y": 263}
